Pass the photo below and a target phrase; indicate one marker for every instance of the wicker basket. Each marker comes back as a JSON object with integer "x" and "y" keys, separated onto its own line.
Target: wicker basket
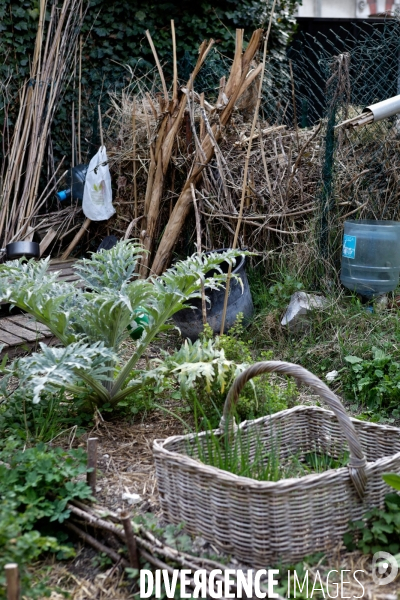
{"x": 263, "y": 522}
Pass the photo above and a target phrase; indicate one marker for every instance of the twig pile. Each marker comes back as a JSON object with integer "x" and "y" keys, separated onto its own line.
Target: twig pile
{"x": 130, "y": 547}
{"x": 160, "y": 152}
{"x": 51, "y": 65}
{"x": 367, "y": 184}
{"x": 171, "y": 118}
{"x": 280, "y": 194}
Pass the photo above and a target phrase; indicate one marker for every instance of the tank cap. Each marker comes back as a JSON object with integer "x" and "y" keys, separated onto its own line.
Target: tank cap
{"x": 63, "y": 195}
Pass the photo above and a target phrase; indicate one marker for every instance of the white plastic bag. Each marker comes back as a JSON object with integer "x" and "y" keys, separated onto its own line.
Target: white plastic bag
{"x": 97, "y": 194}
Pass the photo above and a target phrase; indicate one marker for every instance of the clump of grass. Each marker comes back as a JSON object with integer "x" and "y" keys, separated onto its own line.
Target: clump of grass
{"x": 341, "y": 329}
{"x": 247, "y": 456}
{"x": 247, "y": 453}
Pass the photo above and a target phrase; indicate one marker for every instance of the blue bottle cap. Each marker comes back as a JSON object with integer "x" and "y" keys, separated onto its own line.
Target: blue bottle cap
{"x": 62, "y": 195}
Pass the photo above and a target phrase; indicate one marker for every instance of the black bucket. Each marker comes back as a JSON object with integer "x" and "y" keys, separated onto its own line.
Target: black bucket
{"x": 190, "y": 320}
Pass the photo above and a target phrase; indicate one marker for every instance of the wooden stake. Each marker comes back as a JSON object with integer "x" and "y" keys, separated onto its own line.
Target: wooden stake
{"x": 91, "y": 477}
{"x": 135, "y": 198}
{"x": 46, "y": 241}
{"x": 161, "y": 150}
{"x": 130, "y": 540}
{"x": 294, "y": 106}
{"x": 184, "y": 202}
{"x": 80, "y": 95}
{"x": 100, "y": 126}
{"x": 76, "y": 239}
{"x": 264, "y": 160}
{"x": 198, "y": 230}
{"x": 73, "y": 135}
{"x": 53, "y": 57}
{"x": 175, "y": 82}
{"x": 12, "y": 581}
{"x": 246, "y": 170}
{"x": 202, "y": 125}
{"x": 164, "y": 85}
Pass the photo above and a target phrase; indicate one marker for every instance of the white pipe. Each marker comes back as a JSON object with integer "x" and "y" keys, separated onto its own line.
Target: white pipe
{"x": 386, "y": 108}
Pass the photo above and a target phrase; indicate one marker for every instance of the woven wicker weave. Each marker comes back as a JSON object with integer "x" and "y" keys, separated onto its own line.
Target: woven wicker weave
{"x": 260, "y": 522}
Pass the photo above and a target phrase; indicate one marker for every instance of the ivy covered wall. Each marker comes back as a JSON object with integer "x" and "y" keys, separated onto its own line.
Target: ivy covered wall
{"x": 114, "y": 34}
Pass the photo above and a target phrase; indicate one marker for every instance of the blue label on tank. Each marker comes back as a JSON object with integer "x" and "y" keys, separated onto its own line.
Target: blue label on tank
{"x": 349, "y": 246}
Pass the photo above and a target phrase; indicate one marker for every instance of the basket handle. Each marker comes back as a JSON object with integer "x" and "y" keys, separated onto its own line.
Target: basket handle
{"x": 357, "y": 460}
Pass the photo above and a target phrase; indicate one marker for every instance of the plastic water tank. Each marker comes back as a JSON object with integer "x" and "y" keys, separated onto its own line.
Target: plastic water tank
{"x": 75, "y": 181}
{"x": 371, "y": 256}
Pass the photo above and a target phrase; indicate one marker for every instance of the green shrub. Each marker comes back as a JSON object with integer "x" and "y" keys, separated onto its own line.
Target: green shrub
{"x": 375, "y": 382}
{"x": 379, "y": 529}
{"x": 275, "y": 296}
{"x": 281, "y": 292}
{"x": 35, "y": 486}
{"x": 202, "y": 372}
{"x": 261, "y": 396}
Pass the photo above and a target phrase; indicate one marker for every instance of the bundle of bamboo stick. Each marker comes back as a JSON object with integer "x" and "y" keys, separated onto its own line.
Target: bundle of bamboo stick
{"x": 51, "y": 66}
{"x": 170, "y": 120}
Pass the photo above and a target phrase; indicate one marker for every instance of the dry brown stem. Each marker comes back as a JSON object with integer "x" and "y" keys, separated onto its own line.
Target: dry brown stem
{"x": 234, "y": 84}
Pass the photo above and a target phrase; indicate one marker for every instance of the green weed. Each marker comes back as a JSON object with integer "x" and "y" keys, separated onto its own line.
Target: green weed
{"x": 375, "y": 382}
{"x": 247, "y": 454}
{"x": 41, "y": 422}
{"x": 35, "y": 486}
{"x": 379, "y": 529}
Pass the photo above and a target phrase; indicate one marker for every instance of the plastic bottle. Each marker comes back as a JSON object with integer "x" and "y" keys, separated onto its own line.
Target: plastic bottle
{"x": 75, "y": 181}
{"x": 140, "y": 320}
{"x": 371, "y": 256}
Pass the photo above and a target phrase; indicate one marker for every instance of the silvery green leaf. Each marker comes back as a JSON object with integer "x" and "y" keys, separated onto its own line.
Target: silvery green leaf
{"x": 110, "y": 268}
{"x": 57, "y": 367}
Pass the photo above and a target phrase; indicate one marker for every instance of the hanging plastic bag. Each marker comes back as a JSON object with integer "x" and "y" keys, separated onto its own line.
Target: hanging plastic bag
{"x": 97, "y": 194}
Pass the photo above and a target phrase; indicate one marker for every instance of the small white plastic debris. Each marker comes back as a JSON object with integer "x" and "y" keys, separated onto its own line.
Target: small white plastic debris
{"x": 297, "y": 317}
{"x": 131, "y": 498}
{"x": 98, "y": 488}
{"x": 381, "y": 303}
{"x": 106, "y": 456}
{"x": 331, "y": 376}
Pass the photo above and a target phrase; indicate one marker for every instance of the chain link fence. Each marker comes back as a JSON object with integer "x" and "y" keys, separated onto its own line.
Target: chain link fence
{"x": 329, "y": 80}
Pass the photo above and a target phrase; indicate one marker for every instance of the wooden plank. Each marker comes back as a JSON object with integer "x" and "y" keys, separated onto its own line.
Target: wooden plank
{"x": 66, "y": 270}
{"x": 46, "y": 241}
{"x": 70, "y": 270}
{"x": 25, "y": 334}
{"x": 70, "y": 278}
{"x": 28, "y": 237}
{"x": 24, "y": 347}
{"x": 62, "y": 269}
{"x": 25, "y": 321}
{"x": 10, "y": 339}
{"x": 57, "y": 263}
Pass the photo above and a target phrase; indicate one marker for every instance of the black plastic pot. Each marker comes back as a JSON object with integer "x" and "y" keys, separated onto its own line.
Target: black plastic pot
{"x": 19, "y": 249}
{"x": 190, "y": 320}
